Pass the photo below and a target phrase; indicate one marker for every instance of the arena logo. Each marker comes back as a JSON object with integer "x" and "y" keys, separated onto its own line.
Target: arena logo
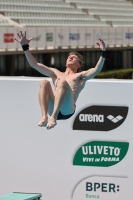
{"x": 115, "y": 119}
{"x": 100, "y": 118}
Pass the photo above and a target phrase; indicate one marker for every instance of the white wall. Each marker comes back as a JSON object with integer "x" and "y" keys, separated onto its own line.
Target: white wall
{"x": 33, "y": 159}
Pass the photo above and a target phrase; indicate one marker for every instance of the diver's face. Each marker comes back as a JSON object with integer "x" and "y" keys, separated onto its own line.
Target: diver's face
{"x": 72, "y": 60}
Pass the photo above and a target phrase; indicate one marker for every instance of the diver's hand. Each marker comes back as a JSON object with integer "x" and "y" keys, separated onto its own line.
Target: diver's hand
{"x": 101, "y": 44}
{"x": 22, "y": 38}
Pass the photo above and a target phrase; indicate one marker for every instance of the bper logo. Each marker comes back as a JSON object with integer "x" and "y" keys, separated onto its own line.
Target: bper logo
{"x": 102, "y": 187}
{"x": 100, "y": 118}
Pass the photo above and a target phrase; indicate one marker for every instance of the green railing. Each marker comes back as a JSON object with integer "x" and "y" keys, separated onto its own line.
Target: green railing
{"x": 21, "y": 196}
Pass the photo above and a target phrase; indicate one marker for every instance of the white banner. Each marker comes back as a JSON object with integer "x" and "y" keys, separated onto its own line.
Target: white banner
{"x": 9, "y": 37}
{"x": 119, "y": 36}
{"x": 97, "y": 34}
{"x": 82, "y": 33}
{"x": 50, "y": 37}
{"x": 31, "y": 33}
{"x": 89, "y": 37}
{"x": 105, "y": 35}
{"x": 57, "y": 37}
{"x": 3, "y": 38}
{"x": 74, "y": 36}
{"x": 131, "y": 36}
{"x": 12, "y": 44}
{"x": 64, "y": 34}
{"x": 103, "y": 188}
{"x": 111, "y": 36}
{"x": 40, "y": 38}
{"x": 126, "y": 36}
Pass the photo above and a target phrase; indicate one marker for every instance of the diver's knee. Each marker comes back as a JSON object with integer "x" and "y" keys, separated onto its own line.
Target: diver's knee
{"x": 44, "y": 83}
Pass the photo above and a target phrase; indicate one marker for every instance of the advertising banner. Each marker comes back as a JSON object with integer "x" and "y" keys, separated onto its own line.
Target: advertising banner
{"x": 105, "y": 35}
{"x": 130, "y": 36}
{"x": 31, "y": 33}
{"x": 64, "y": 36}
{"x": 74, "y": 36}
{"x": 97, "y": 34}
{"x": 50, "y": 37}
{"x": 89, "y": 37}
{"x": 88, "y": 156}
{"x": 40, "y": 38}
{"x": 3, "y": 43}
{"x": 112, "y": 36}
{"x": 9, "y": 37}
{"x": 119, "y": 36}
{"x": 58, "y": 37}
{"x": 126, "y": 36}
{"x": 96, "y": 187}
{"x": 82, "y": 33}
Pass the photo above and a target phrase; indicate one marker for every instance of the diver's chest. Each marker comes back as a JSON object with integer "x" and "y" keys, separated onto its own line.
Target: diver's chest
{"x": 71, "y": 77}
{"x": 72, "y": 80}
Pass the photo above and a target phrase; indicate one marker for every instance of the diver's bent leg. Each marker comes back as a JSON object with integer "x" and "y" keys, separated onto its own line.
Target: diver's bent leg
{"x": 60, "y": 95}
{"x": 45, "y": 93}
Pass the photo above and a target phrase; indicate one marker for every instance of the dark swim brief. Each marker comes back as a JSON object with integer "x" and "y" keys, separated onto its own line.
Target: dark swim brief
{"x": 63, "y": 117}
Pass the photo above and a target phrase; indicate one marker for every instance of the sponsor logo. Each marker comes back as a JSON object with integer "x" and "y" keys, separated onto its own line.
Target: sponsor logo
{"x": 103, "y": 187}
{"x": 74, "y": 36}
{"x": 37, "y": 38}
{"x": 100, "y": 187}
{"x": 129, "y": 35}
{"x": 100, "y": 118}
{"x": 87, "y": 36}
{"x": 97, "y": 35}
{"x": 91, "y": 118}
{"x": 60, "y": 36}
{"x": 100, "y": 153}
{"x": 114, "y": 119}
{"x": 49, "y": 37}
{"x": 8, "y": 37}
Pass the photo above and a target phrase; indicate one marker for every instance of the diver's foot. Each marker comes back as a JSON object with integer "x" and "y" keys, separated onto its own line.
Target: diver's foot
{"x": 43, "y": 122}
{"x": 51, "y": 123}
